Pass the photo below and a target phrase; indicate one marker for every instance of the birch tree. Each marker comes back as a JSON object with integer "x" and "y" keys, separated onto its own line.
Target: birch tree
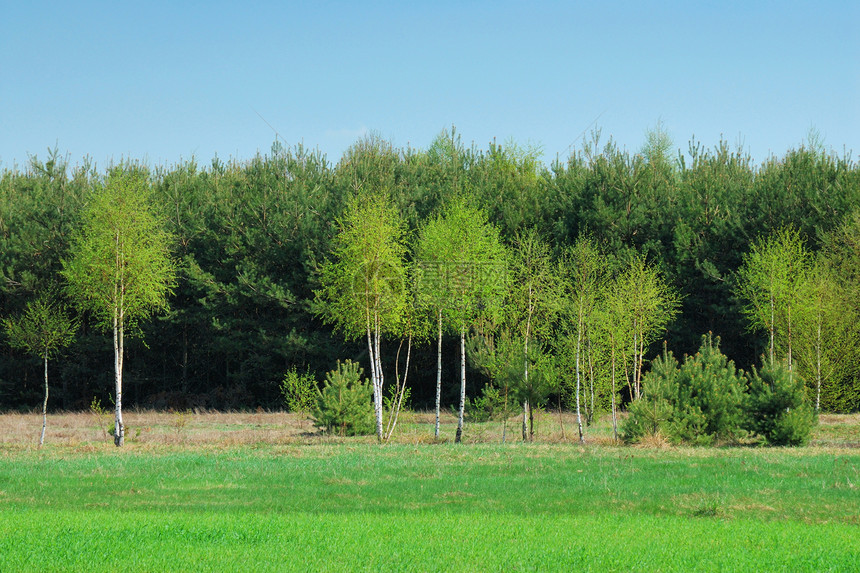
{"x": 461, "y": 272}
{"x": 363, "y": 290}
{"x": 42, "y": 329}
{"x": 533, "y": 303}
{"x": 769, "y": 281}
{"x": 584, "y": 276}
{"x": 119, "y": 267}
{"x": 826, "y": 334}
{"x": 614, "y": 323}
{"x": 648, "y": 305}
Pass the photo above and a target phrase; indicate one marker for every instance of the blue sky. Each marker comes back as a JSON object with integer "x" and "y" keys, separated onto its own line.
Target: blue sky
{"x": 163, "y": 81}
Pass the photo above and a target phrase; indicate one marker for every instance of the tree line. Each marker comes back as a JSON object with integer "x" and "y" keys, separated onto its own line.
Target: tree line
{"x": 257, "y": 248}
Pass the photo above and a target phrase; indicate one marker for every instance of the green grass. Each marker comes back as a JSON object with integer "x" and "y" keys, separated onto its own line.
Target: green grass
{"x": 430, "y": 507}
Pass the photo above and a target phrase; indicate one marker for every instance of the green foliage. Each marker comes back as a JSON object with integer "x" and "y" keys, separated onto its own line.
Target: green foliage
{"x": 501, "y": 357}
{"x": 343, "y": 406}
{"x": 43, "y": 328}
{"x": 584, "y": 277}
{"x": 119, "y": 267}
{"x": 365, "y": 279}
{"x": 490, "y": 405}
{"x": 249, "y": 237}
{"x": 652, "y": 414}
{"x": 101, "y": 416}
{"x": 770, "y": 281}
{"x": 777, "y": 408}
{"x": 393, "y": 398}
{"x": 299, "y": 390}
{"x": 698, "y": 403}
{"x": 461, "y": 265}
{"x": 647, "y": 306}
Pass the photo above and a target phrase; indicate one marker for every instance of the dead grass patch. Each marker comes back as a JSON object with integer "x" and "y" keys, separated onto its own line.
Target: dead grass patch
{"x": 655, "y": 441}
{"x": 152, "y": 430}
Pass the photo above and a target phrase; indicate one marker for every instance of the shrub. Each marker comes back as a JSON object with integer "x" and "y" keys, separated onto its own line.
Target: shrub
{"x": 299, "y": 391}
{"x": 490, "y": 405}
{"x": 343, "y": 406}
{"x": 777, "y": 408}
{"x": 651, "y": 414}
{"x": 698, "y": 403}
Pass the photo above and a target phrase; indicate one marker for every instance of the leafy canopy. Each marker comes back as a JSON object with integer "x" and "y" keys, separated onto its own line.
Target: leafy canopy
{"x": 120, "y": 265}
{"x": 42, "y": 329}
{"x": 364, "y": 284}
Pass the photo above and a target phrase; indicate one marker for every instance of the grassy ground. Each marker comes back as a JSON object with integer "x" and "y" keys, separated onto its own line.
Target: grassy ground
{"x": 259, "y": 491}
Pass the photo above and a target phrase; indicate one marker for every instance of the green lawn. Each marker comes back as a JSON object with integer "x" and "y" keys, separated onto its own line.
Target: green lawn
{"x": 430, "y": 507}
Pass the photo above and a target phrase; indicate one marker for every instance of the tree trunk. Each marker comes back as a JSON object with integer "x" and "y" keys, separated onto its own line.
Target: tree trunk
{"x": 817, "y": 369}
{"x": 438, "y": 375}
{"x": 635, "y": 349}
{"x": 525, "y": 420}
{"x": 459, "y": 437}
{"x": 505, "y": 421}
{"x": 372, "y": 345}
{"x": 790, "y": 369}
{"x": 772, "y": 323}
{"x": 185, "y": 357}
{"x": 400, "y": 390}
{"x": 377, "y": 390}
{"x": 526, "y": 405}
{"x": 118, "y": 341}
{"x": 614, "y": 414}
{"x": 578, "y": 413}
{"x": 590, "y": 416}
{"x": 119, "y": 427}
{"x": 45, "y": 403}
{"x": 531, "y": 424}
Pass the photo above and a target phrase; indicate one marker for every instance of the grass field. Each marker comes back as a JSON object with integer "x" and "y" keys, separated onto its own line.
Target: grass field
{"x": 259, "y": 492}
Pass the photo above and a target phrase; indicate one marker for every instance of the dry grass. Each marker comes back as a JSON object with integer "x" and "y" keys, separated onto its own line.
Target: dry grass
{"x": 654, "y": 441}
{"x": 149, "y": 427}
{"x": 205, "y": 429}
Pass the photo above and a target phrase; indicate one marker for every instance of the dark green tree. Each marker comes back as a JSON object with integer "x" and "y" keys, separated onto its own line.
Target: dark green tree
{"x": 777, "y": 408}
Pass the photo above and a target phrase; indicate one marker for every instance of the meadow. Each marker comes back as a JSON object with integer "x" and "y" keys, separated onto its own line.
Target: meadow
{"x": 263, "y": 491}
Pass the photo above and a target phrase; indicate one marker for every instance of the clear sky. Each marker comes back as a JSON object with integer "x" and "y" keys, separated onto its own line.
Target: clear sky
{"x": 164, "y": 81}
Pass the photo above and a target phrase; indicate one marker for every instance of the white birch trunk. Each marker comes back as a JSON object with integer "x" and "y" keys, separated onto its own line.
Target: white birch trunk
{"x": 635, "y": 363}
{"x": 377, "y": 388}
{"x": 589, "y": 419}
{"x": 790, "y": 370}
{"x": 397, "y": 403}
{"x": 45, "y": 403}
{"x": 641, "y": 362}
{"x": 438, "y": 375}
{"x": 578, "y": 347}
{"x": 772, "y": 323}
{"x": 614, "y": 415}
{"x": 817, "y": 368}
{"x": 526, "y": 406}
{"x": 459, "y": 436}
{"x": 119, "y": 428}
{"x": 118, "y": 323}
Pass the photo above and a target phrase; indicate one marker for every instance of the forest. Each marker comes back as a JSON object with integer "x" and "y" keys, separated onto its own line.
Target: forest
{"x": 763, "y": 256}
